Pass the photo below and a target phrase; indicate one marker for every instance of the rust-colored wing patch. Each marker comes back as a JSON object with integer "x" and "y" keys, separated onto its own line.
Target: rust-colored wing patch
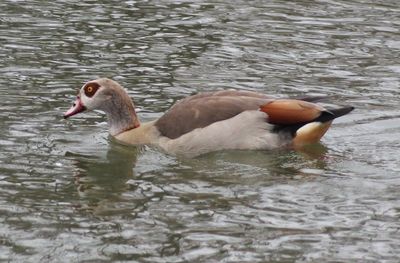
{"x": 289, "y": 111}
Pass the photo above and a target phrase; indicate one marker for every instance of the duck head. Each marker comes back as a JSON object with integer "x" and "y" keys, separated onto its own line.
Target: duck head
{"x": 108, "y": 96}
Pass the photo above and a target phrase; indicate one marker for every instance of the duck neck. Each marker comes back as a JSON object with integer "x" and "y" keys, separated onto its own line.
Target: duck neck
{"x": 121, "y": 115}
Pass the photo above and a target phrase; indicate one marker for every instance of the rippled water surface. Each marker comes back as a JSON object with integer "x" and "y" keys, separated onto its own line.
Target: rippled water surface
{"x": 70, "y": 194}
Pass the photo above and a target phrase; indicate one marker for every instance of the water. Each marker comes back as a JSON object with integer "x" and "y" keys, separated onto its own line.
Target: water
{"x": 70, "y": 194}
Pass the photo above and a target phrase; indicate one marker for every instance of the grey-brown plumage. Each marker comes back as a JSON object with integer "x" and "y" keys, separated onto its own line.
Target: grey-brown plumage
{"x": 211, "y": 121}
{"x": 203, "y": 109}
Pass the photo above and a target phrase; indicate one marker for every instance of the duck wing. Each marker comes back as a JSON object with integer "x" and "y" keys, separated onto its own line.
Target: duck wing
{"x": 203, "y": 109}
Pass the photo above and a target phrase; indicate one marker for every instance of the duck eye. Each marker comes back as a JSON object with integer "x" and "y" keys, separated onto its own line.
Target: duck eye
{"x": 91, "y": 88}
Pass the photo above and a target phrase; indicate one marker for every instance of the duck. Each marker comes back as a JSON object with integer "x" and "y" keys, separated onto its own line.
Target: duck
{"x": 211, "y": 121}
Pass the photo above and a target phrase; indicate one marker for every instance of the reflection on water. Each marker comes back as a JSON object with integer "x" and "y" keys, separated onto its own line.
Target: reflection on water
{"x": 69, "y": 194}
{"x": 95, "y": 175}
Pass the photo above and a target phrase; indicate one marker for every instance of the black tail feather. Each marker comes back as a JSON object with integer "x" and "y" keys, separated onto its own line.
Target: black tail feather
{"x": 325, "y": 116}
{"x": 341, "y": 111}
{"x": 331, "y": 114}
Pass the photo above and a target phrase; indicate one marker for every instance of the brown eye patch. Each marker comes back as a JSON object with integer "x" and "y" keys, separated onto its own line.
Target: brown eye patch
{"x": 91, "y": 88}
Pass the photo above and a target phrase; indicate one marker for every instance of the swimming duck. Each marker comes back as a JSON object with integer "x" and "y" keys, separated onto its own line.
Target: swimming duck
{"x": 210, "y": 121}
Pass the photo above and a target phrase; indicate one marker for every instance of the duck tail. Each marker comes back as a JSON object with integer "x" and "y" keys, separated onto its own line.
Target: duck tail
{"x": 341, "y": 111}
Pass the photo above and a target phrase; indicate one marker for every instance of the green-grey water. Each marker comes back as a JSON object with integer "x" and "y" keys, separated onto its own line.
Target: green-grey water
{"x": 70, "y": 194}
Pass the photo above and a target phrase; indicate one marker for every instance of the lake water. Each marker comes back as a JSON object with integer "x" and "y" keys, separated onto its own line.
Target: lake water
{"x": 70, "y": 194}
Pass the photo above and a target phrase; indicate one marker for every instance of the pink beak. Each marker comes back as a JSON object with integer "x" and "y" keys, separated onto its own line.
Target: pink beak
{"x": 75, "y": 109}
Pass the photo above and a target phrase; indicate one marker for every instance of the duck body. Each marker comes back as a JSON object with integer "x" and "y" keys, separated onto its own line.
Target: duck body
{"x": 211, "y": 121}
